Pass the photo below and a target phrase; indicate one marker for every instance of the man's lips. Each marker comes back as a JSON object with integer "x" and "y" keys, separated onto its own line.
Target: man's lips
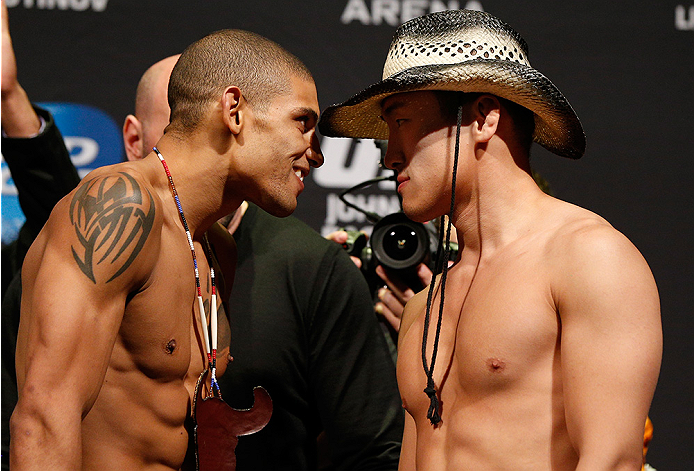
{"x": 300, "y": 174}
{"x": 402, "y": 181}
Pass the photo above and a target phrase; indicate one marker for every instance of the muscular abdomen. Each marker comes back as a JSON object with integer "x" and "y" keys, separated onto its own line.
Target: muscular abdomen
{"x": 136, "y": 423}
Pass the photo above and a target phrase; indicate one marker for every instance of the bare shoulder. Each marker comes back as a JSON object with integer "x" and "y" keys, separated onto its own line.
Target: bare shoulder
{"x": 587, "y": 256}
{"x": 107, "y": 221}
{"x": 583, "y": 237}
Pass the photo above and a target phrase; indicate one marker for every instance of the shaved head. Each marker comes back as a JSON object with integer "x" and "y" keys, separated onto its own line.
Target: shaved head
{"x": 151, "y": 104}
{"x": 260, "y": 68}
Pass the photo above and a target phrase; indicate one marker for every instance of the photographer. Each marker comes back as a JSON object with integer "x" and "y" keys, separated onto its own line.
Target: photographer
{"x": 394, "y": 283}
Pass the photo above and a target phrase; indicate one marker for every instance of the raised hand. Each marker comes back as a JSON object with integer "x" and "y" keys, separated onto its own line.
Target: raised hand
{"x": 18, "y": 116}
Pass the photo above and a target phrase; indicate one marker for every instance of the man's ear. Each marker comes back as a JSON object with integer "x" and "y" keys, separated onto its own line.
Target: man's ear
{"x": 487, "y": 111}
{"x": 233, "y": 109}
{"x": 132, "y": 138}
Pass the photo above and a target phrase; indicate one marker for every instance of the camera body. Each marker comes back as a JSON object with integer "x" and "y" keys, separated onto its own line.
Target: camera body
{"x": 399, "y": 245}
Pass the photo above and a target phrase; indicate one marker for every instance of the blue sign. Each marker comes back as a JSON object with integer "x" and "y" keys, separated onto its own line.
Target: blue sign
{"x": 91, "y": 136}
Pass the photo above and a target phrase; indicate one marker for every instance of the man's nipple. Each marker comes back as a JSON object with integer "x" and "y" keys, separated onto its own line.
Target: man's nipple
{"x": 170, "y": 346}
{"x": 496, "y": 365}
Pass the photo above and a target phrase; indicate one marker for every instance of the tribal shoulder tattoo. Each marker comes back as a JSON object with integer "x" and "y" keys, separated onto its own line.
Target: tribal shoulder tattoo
{"x": 112, "y": 218}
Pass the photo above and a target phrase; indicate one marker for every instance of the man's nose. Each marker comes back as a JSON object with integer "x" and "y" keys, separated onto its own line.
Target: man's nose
{"x": 393, "y": 158}
{"x": 314, "y": 153}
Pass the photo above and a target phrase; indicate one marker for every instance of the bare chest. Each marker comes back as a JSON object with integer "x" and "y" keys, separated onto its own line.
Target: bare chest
{"x": 499, "y": 331}
{"x": 162, "y": 333}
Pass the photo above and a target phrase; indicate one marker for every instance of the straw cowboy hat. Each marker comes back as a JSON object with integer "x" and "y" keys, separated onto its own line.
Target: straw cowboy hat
{"x": 466, "y": 51}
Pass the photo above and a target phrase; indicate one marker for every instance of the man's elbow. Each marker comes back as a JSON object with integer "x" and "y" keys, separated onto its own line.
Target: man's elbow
{"x": 27, "y": 432}
{"x": 36, "y": 427}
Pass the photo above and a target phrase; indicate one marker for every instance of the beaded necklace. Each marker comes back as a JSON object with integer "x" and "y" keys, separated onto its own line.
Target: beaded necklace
{"x": 210, "y": 350}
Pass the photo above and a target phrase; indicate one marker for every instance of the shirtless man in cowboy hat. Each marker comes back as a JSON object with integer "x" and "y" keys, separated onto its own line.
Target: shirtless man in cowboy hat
{"x": 111, "y": 342}
{"x": 546, "y": 351}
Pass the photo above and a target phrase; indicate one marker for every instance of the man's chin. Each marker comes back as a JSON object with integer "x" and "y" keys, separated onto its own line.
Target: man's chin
{"x": 280, "y": 209}
{"x": 282, "y": 213}
{"x": 418, "y": 214}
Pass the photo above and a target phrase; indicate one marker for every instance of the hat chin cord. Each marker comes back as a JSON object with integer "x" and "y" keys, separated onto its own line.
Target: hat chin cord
{"x": 441, "y": 267}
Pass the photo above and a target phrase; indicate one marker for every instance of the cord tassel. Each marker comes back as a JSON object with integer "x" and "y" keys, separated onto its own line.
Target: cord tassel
{"x": 433, "y": 412}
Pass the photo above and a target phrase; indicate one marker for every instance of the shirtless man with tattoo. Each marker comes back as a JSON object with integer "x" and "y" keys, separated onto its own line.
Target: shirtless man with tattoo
{"x": 539, "y": 349}
{"x": 110, "y": 343}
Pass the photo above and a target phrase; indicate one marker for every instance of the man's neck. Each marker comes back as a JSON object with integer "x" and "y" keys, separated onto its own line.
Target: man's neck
{"x": 501, "y": 204}
{"x": 201, "y": 179}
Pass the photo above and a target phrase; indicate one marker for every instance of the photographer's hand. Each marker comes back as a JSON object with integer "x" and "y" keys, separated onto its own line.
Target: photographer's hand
{"x": 395, "y": 294}
{"x": 341, "y": 237}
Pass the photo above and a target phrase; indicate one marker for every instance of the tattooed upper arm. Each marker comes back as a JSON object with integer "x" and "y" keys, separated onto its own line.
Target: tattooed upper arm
{"x": 112, "y": 217}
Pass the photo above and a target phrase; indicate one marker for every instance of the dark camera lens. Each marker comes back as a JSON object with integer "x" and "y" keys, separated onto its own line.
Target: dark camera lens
{"x": 400, "y": 242}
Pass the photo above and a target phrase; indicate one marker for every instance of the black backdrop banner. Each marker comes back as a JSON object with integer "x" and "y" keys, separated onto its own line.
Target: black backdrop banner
{"x": 626, "y": 67}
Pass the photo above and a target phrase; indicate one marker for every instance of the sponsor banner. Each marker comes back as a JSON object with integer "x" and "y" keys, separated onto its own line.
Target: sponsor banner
{"x": 684, "y": 18}
{"x": 351, "y": 162}
{"x": 73, "y": 5}
{"x": 396, "y": 12}
{"x": 93, "y": 139}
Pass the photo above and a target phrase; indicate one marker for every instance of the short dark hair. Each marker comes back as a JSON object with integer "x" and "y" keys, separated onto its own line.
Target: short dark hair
{"x": 260, "y": 67}
{"x": 523, "y": 118}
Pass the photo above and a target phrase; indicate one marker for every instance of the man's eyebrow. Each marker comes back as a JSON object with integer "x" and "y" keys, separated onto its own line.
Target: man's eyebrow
{"x": 303, "y": 111}
{"x": 393, "y": 106}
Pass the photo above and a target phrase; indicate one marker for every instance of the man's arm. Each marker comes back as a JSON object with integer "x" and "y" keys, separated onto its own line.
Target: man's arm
{"x": 413, "y": 310}
{"x": 38, "y": 159}
{"x": 18, "y": 117}
{"x": 72, "y": 306}
{"x": 41, "y": 170}
{"x": 611, "y": 346}
{"x": 408, "y": 455}
{"x": 353, "y": 375}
